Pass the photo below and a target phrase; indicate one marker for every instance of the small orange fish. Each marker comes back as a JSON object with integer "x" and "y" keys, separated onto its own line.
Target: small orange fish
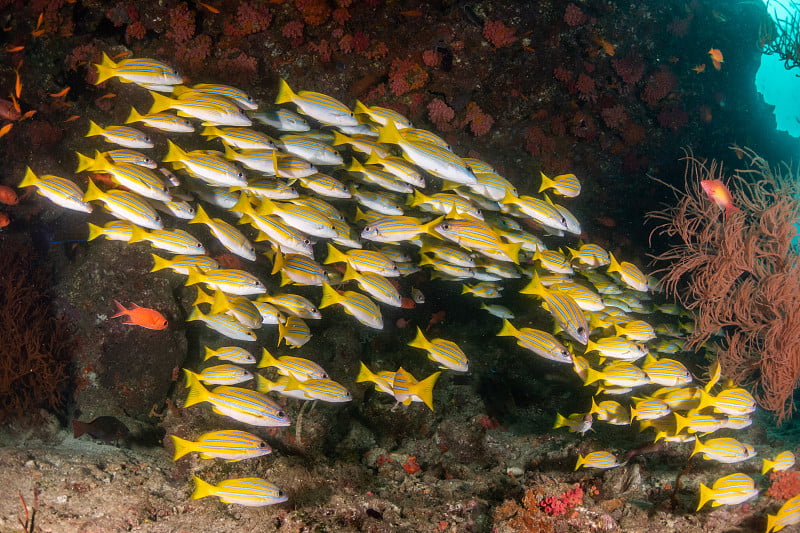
{"x": 10, "y": 48}
{"x": 73, "y": 117}
{"x": 59, "y": 94}
{"x": 719, "y": 194}
{"x": 209, "y": 7}
{"x": 141, "y": 316}
{"x": 8, "y": 196}
{"x": 407, "y": 303}
{"x": 699, "y": 68}
{"x": 18, "y": 84}
{"x": 27, "y": 114}
{"x": 5, "y": 129}
{"x": 716, "y": 58}
{"x": 4, "y": 220}
{"x": 435, "y": 319}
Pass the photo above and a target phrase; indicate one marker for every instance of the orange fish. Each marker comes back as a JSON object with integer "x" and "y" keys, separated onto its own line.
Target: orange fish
{"x": 5, "y": 129}
{"x": 4, "y": 220}
{"x": 8, "y": 196}
{"x": 719, "y": 194}
{"x": 699, "y": 68}
{"x": 141, "y": 316}
{"x": 435, "y": 319}
{"x": 407, "y": 303}
{"x": 716, "y": 58}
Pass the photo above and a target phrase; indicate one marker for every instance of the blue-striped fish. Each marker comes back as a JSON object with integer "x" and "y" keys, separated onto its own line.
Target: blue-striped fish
{"x": 297, "y": 367}
{"x": 728, "y": 490}
{"x": 562, "y": 307}
{"x": 382, "y": 115}
{"x": 260, "y": 160}
{"x": 141, "y": 71}
{"x": 375, "y": 285}
{"x": 380, "y": 202}
{"x": 445, "y": 204}
{"x": 183, "y": 263}
{"x": 125, "y": 155}
{"x": 325, "y": 185}
{"x": 736, "y": 401}
{"x": 230, "y": 237}
{"x": 628, "y": 273}
{"x": 135, "y": 178}
{"x": 316, "y": 105}
{"x": 116, "y": 230}
{"x": 563, "y": 185}
{"x": 325, "y": 390}
{"x": 294, "y": 332}
{"x": 590, "y": 255}
{"x": 448, "y": 253}
{"x": 668, "y": 372}
{"x": 649, "y": 409}
{"x": 576, "y": 422}
{"x": 125, "y": 205}
{"x": 176, "y": 241}
{"x": 225, "y": 374}
{"x": 223, "y": 324}
{"x": 60, "y": 191}
{"x": 446, "y": 354}
{"x": 293, "y": 304}
{"x": 537, "y": 209}
{"x": 211, "y": 109}
{"x": 485, "y": 290}
{"x": 269, "y": 313}
{"x": 539, "y": 342}
{"x": 399, "y": 167}
{"x": 787, "y": 515}
{"x": 636, "y": 330}
{"x": 479, "y": 236}
{"x": 233, "y": 354}
{"x": 617, "y": 348}
{"x": 207, "y": 167}
{"x": 241, "y": 138}
{"x": 377, "y": 176}
{"x": 282, "y": 120}
{"x": 363, "y": 261}
{"x": 406, "y": 388}
{"x": 230, "y": 445}
{"x": 300, "y": 217}
{"x": 228, "y": 280}
{"x": 618, "y": 373}
{"x": 237, "y": 96}
{"x": 121, "y": 135}
{"x": 312, "y": 150}
{"x": 244, "y": 405}
{"x": 358, "y": 305}
{"x": 161, "y": 121}
{"x": 298, "y": 269}
{"x": 783, "y": 461}
{"x": 586, "y": 298}
{"x": 611, "y": 411}
{"x": 723, "y": 450}
{"x": 600, "y": 459}
{"x": 395, "y": 229}
{"x": 248, "y": 491}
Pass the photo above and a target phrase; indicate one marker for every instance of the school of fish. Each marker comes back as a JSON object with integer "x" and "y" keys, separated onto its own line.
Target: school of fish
{"x": 393, "y": 199}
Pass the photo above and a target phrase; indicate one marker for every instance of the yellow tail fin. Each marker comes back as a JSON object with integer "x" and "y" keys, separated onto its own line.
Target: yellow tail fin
{"x": 92, "y": 192}
{"x": 285, "y": 93}
{"x": 365, "y": 374}
{"x": 105, "y": 69}
{"x": 267, "y": 359}
{"x": 202, "y": 489}
{"x": 201, "y": 217}
{"x": 174, "y": 153}
{"x": 705, "y": 495}
{"x": 159, "y": 263}
{"x": 182, "y": 447}
{"x": 30, "y": 178}
{"x": 420, "y": 341}
{"x": 334, "y": 256}
{"x": 329, "y": 296}
{"x": 424, "y": 389}
{"x": 94, "y": 129}
{"x": 160, "y": 103}
{"x": 134, "y": 116}
{"x": 547, "y": 183}
{"x": 95, "y": 232}
{"x": 197, "y": 393}
{"x": 389, "y": 134}
{"x": 84, "y": 163}
{"x": 508, "y": 329}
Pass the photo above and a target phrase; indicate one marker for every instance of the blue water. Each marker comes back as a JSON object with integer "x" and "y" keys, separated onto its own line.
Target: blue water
{"x": 779, "y": 86}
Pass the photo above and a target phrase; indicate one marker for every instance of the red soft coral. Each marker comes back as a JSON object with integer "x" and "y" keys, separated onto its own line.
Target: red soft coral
{"x": 406, "y": 75}
{"x": 440, "y": 114}
{"x": 181, "y": 26}
{"x": 479, "y": 122}
{"x": 785, "y": 484}
{"x": 498, "y": 33}
{"x": 314, "y": 12}
{"x": 659, "y": 85}
{"x": 573, "y": 15}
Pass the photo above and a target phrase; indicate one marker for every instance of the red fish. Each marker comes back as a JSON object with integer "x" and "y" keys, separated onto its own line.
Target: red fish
{"x": 407, "y": 303}
{"x": 4, "y": 220}
{"x": 141, "y": 316}
{"x": 8, "y": 196}
{"x": 719, "y": 194}
{"x": 716, "y": 58}
{"x": 435, "y": 319}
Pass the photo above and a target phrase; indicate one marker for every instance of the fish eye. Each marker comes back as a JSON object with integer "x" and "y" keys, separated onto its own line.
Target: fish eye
{"x": 313, "y": 310}
{"x": 280, "y": 493}
{"x": 306, "y": 241}
{"x": 281, "y": 414}
{"x": 564, "y": 221}
{"x": 262, "y": 444}
{"x": 146, "y": 138}
{"x": 581, "y": 330}
{"x": 199, "y": 244}
{"x": 158, "y": 218}
{"x": 367, "y": 228}
{"x": 240, "y": 175}
{"x": 445, "y": 226}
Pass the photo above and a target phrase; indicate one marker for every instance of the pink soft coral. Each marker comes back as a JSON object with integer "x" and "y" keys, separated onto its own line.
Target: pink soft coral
{"x": 440, "y": 114}
{"x": 498, "y": 33}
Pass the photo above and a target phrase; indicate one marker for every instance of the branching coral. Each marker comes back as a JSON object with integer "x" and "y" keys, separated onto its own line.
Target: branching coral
{"x": 739, "y": 273}
{"x": 782, "y": 36}
{"x": 33, "y": 343}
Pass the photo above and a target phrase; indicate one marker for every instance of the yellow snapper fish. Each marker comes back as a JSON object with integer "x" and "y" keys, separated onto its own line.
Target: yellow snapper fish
{"x": 161, "y": 121}
{"x": 576, "y": 422}
{"x": 208, "y": 167}
{"x": 628, "y": 273}
{"x": 183, "y": 263}
{"x": 611, "y": 411}
{"x": 590, "y": 256}
{"x": 536, "y": 209}
{"x": 563, "y": 185}
{"x": 355, "y": 304}
{"x": 636, "y": 330}
{"x": 783, "y": 461}
{"x": 176, "y": 241}
{"x": 237, "y": 96}
{"x": 293, "y": 304}
{"x": 539, "y": 342}
{"x": 325, "y": 185}
{"x": 618, "y": 373}
{"x": 394, "y": 229}
{"x": 318, "y": 106}
{"x": 230, "y": 445}
{"x": 60, "y": 191}
{"x": 115, "y": 230}
{"x": 363, "y": 261}
{"x": 399, "y": 167}
{"x": 121, "y": 135}
{"x": 239, "y": 137}
{"x": 303, "y": 218}
{"x": 562, "y": 308}
{"x": 617, "y": 348}
{"x": 211, "y": 109}
{"x": 230, "y": 237}
{"x": 133, "y": 177}
{"x": 296, "y": 367}
{"x": 649, "y": 409}
{"x": 723, "y": 450}
{"x": 787, "y": 515}
{"x": 728, "y": 490}
{"x": 228, "y": 280}
{"x": 325, "y": 390}
{"x": 445, "y": 353}
{"x": 377, "y": 176}
{"x": 237, "y": 307}
{"x": 479, "y": 236}
{"x": 298, "y": 269}
{"x": 734, "y": 401}
{"x": 141, "y": 71}
{"x": 234, "y": 354}
{"x": 375, "y": 285}
{"x": 382, "y": 115}
{"x": 247, "y": 491}
{"x": 668, "y": 372}
{"x": 125, "y": 205}
{"x": 223, "y": 324}
{"x": 225, "y": 374}
{"x": 486, "y": 290}
{"x": 243, "y": 405}
{"x": 282, "y": 120}
{"x": 124, "y": 155}
{"x": 294, "y": 332}
{"x": 601, "y": 459}
{"x": 312, "y": 150}
{"x": 406, "y": 389}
